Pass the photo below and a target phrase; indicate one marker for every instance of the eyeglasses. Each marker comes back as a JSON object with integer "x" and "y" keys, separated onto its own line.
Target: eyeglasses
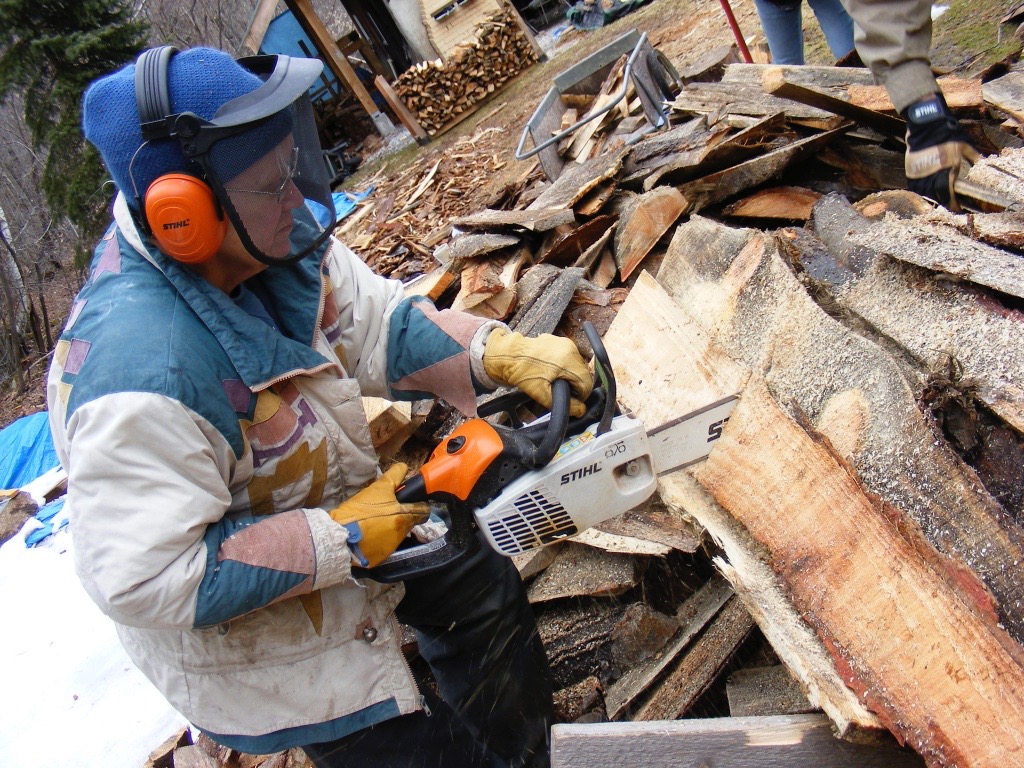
{"x": 289, "y": 167}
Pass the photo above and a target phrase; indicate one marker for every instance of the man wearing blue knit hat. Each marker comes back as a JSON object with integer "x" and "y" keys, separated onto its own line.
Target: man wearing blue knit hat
{"x": 205, "y": 400}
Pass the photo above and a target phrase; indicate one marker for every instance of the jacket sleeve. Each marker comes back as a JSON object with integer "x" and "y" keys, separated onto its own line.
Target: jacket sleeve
{"x": 404, "y": 348}
{"x": 154, "y": 544}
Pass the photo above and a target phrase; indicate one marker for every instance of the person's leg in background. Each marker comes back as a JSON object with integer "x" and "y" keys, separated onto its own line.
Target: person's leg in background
{"x": 477, "y": 632}
{"x": 782, "y": 23}
{"x": 836, "y": 24}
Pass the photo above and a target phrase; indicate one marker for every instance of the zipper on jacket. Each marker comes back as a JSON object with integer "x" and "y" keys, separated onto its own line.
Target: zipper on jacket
{"x": 397, "y": 630}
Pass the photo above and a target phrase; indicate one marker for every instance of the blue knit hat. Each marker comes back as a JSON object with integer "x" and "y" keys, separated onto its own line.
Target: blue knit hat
{"x": 200, "y": 80}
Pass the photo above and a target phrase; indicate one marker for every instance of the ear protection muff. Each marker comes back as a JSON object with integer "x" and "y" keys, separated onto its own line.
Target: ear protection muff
{"x": 184, "y": 218}
{"x": 179, "y": 210}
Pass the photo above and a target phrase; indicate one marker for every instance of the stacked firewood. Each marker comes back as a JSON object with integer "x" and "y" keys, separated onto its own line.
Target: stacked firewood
{"x": 441, "y": 91}
{"x": 847, "y": 562}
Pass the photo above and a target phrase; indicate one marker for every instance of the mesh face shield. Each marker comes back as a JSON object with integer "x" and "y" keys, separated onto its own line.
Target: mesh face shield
{"x": 261, "y": 156}
{"x": 268, "y": 176}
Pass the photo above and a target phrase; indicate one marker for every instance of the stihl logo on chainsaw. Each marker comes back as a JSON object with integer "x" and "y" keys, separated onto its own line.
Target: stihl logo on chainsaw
{"x": 715, "y": 430}
{"x": 579, "y": 474}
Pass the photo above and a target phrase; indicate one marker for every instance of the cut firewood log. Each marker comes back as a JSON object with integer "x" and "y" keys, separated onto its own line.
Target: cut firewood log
{"x": 723, "y": 150}
{"x": 761, "y": 314}
{"x": 569, "y": 248}
{"x": 793, "y": 741}
{"x": 728, "y": 183}
{"x": 765, "y": 691}
{"x": 928, "y": 657}
{"x": 546, "y": 311}
{"x": 390, "y": 424}
{"x": 432, "y": 284}
{"x": 868, "y": 167}
{"x": 776, "y": 203}
{"x": 1006, "y": 93}
{"x": 744, "y": 564}
{"x": 488, "y": 285}
{"x": 646, "y": 219}
{"x": 468, "y": 246}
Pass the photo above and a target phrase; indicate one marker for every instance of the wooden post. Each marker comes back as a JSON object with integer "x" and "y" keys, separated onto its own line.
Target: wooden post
{"x": 404, "y": 114}
{"x": 258, "y": 24}
{"x": 325, "y": 44}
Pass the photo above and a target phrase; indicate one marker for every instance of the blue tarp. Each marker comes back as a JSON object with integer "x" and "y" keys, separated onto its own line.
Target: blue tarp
{"x": 345, "y": 202}
{"x": 26, "y": 451}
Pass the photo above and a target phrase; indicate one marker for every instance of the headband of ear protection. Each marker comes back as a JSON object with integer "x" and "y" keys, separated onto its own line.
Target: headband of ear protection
{"x": 179, "y": 210}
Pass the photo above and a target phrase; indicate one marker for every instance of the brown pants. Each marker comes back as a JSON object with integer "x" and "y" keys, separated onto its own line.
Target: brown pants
{"x": 893, "y": 38}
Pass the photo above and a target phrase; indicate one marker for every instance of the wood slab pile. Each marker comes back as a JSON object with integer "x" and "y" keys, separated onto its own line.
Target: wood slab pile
{"x": 440, "y": 91}
{"x": 848, "y": 561}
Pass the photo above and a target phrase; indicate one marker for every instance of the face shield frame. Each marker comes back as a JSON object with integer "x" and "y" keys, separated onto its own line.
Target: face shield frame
{"x": 285, "y": 88}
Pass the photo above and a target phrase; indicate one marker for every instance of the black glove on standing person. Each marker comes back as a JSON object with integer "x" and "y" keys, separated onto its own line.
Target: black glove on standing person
{"x": 938, "y": 150}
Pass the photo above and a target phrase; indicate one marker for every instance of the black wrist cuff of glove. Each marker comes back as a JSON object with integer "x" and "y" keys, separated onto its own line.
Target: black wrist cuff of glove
{"x": 930, "y": 123}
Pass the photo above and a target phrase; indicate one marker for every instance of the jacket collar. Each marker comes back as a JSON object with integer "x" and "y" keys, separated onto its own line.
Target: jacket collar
{"x": 294, "y": 292}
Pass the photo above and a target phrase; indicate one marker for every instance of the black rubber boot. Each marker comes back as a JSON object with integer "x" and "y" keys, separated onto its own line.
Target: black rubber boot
{"x": 478, "y": 634}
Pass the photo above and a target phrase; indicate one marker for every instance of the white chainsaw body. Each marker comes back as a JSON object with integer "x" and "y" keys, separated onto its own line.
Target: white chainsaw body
{"x": 592, "y": 478}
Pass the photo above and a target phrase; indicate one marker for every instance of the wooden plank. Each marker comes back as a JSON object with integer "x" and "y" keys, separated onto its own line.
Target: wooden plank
{"x": 765, "y": 691}
{"x": 725, "y": 184}
{"x": 693, "y": 615}
{"x": 941, "y": 247}
{"x": 774, "y": 82}
{"x": 960, "y": 94}
{"x": 535, "y": 220}
{"x": 697, "y": 670}
{"x": 741, "y": 99}
{"x": 832, "y": 80}
{"x": 944, "y": 676}
{"x": 404, "y": 113}
{"x": 794, "y": 741}
{"x": 848, "y": 388}
{"x": 326, "y": 45}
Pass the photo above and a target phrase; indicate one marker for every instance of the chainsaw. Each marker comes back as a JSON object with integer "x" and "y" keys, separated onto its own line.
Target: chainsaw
{"x": 525, "y": 486}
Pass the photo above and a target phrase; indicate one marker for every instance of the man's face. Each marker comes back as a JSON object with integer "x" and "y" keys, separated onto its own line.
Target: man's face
{"x": 264, "y": 196}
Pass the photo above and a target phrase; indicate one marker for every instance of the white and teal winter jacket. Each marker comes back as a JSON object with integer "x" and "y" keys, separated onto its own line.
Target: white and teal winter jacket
{"x": 202, "y": 449}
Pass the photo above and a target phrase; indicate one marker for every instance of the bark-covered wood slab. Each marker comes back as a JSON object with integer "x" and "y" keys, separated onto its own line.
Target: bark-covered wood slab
{"x": 747, "y": 298}
{"x": 647, "y": 362}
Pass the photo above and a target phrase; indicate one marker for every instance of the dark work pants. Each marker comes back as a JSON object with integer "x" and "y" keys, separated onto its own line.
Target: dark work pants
{"x": 477, "y": 632}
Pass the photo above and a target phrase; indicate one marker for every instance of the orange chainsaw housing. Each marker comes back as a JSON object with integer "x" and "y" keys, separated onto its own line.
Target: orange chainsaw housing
{"x": 457, "y": 463}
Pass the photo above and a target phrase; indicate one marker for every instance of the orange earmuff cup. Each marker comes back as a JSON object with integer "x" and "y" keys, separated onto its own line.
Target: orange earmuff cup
{"x": 182, "y": 215}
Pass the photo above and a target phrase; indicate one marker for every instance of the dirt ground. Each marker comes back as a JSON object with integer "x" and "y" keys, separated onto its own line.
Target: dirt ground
{"x": 965, "y": 41}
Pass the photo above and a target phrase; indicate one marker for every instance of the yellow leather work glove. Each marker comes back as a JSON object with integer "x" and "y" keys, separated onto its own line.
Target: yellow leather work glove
{"x": 531, "y": 364}
{"x": 376, "y": 521}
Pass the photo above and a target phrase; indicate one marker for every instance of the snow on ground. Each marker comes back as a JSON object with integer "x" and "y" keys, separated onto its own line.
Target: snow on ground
{"x": 69, "y": 696}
